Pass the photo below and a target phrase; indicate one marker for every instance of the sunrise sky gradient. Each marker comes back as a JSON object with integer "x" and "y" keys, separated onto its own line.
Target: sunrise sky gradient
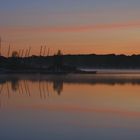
{"x": 74, "y": 26}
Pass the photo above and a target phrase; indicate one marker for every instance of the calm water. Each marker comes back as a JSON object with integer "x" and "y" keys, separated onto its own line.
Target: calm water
{"x": 99, "y": 107}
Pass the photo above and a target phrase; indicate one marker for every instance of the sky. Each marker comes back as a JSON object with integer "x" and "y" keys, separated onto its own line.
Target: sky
{"x": 74, "y": 26}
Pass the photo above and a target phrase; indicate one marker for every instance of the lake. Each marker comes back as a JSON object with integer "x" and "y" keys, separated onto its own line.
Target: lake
{"x": 70, "y": 107}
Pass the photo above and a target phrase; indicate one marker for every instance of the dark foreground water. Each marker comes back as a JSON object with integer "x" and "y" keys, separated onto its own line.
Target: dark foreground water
{"x": 99, "y": 107}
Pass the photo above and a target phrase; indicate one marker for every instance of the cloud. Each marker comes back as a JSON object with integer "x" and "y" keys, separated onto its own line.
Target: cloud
{"x": 93, "y": 27}
{"x": 72, "y": 108}
{"x": 76, "y": 28}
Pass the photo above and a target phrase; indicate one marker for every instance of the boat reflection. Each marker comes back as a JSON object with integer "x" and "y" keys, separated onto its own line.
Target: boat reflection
{"x": 22, "y": 86}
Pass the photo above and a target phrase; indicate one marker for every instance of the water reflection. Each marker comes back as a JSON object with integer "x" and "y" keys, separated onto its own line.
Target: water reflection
{"x": 43, "y": 83}
{"x": 23, "y": 86}
{"x": 14, "y": 84}
{"x": 86, "y": 79}
{"x": 71, "y": 106}
{"x": 58, "y": 86}
{"x": 45, "y": 86}
{"x": 21, "y": 83}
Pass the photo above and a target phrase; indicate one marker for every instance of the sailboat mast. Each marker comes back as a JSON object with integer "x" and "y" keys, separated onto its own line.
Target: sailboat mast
{"x": 41, "y": 50}
{"x": 0, "y": 45}
{"x": 9, "y": 51}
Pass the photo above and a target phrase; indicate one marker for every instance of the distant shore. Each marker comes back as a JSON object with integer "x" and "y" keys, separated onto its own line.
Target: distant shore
{"x": 92, "y": 61}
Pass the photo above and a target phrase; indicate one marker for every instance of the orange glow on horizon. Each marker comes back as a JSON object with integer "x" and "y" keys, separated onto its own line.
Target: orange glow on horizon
{"x": 117, "y": 38}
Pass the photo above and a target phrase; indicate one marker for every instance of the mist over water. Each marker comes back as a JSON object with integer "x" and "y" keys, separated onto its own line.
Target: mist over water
{"x": 102, "y": 106}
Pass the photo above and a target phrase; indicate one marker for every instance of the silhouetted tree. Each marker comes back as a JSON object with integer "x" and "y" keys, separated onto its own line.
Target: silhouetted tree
{"x": 15, "y": 54}
{"x": 58, "y": 60}
{"x": 58, "y": 86}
